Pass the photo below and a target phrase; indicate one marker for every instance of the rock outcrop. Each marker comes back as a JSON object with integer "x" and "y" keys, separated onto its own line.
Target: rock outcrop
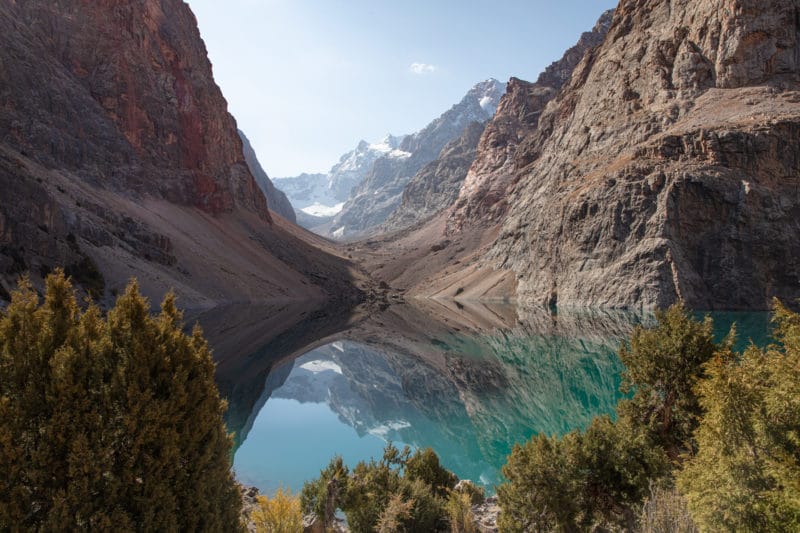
{"x": 668, "y": 167}
{"x": 665, "y": 168}
{"x": 118, "y": 158}
{"x": 483, "y": 198}
{"x": 276, "y": 199}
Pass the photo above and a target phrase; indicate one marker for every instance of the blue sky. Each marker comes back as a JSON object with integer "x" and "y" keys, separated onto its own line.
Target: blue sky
{"x": 307, "y": 79}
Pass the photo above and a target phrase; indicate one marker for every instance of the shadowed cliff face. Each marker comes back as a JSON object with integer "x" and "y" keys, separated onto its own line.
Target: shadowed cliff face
{"x": 276, "y": 199}
{"x": 136, "y": 92}
{"x": 118, "y": 158}
{"x": 436, "y": 186}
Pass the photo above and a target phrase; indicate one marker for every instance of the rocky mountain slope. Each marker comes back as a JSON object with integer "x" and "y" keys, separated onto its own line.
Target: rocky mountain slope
{"x": 437, "y": 185}
{"x": 665, "y": 168}
{"x": 118, "y": 158}
{"x": 484, "y": 194}
{"x": 379, "y": 194}
{"x": 668, "y": 168}
{"x": 276, "y": 199}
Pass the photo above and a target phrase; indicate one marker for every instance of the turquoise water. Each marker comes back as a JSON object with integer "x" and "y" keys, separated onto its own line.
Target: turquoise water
{"x": 285, "y": 447}
{"x": 468, "y": 392}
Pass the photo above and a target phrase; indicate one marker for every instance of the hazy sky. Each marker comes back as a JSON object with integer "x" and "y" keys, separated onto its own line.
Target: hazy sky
{"x": 307, "y": 79}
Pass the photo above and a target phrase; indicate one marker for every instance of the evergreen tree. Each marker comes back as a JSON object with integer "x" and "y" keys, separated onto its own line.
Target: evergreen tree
{"x": 746, "y": 474}
{"x": 595, "y": 478}
{"x": 582, "y": 480}
{"x": 662, "y": 366}
{"x": 109, "y": 423}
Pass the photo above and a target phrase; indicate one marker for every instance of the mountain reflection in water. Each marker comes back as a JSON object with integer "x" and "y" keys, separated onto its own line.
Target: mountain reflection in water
{"x": 469, "y": 381}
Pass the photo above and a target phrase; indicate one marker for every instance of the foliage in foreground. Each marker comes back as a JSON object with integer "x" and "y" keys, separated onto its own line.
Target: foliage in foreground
{"x": 400, "y": 492}
{"x": 279, "y": 514}
{"x": 746, "y": 474}
{"x": 111, "y": 423}
{"x": 665, "y": 511}
{"x": 726, "y": 425}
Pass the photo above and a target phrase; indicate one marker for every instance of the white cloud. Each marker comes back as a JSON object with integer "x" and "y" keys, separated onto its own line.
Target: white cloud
{"x": 422, "y": 68}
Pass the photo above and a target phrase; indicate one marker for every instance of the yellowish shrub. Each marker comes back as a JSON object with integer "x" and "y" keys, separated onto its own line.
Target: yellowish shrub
{"x": 459, "y": 512}
{"x": 279, "y": 514}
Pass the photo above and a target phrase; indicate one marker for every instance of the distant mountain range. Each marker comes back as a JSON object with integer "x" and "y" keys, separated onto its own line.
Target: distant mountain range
{"x": 363, "y": 189}
{"x": 318, "y": 197}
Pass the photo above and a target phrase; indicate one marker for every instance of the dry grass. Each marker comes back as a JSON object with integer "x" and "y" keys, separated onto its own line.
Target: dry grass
{"x": 665, "y": 511}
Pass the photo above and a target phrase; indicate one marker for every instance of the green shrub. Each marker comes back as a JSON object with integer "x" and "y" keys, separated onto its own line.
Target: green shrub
{"x": 400, "y": 492}
{"x": 474, "y": 493}
{"x": 424, "y": 465}
{"x": 323, "y": 495}
{"x": 459, "y": 512}
{"x": 597, "y": 478}
{"x": 111, "y": 423}
{"x": 746, "y": 473}
{"x": 582, "y": 480}
{"x": 662, "y": 367}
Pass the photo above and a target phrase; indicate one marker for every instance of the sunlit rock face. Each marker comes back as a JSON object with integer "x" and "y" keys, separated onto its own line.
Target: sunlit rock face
{"x": 667, "y": 167}
{"x": 484, "y": 197}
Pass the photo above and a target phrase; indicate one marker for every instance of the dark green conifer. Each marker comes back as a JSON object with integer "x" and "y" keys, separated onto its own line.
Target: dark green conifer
{"x": 109, "y": 423}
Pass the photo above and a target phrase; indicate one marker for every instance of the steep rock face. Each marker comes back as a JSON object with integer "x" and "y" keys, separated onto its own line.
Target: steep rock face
{"x": 276, "y": 199}
{"x": 668, "y": 167}
{"x": 484, "y": 195}
{"x": 436, "y": 186}
{"x": 142, "y": 69}
{"x": 118, "y": 158}
{"x": 379, "y": 194}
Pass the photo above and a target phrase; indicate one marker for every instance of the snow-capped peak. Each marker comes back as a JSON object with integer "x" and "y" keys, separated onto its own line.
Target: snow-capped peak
{"x": 488, "y": 94}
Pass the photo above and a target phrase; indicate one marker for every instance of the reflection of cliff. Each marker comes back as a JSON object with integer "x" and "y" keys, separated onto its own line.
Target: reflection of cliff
{"x": 253, "y": 348}
{"x": 468, "y": 383}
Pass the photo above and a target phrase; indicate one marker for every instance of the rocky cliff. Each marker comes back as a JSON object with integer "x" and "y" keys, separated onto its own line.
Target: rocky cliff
{"x": 483, "y": 198}
{"x": 668, "y": 167}
{"x": 118, "y": 158}
{"x": 665, "y": 168}
{"x": 276, "y": 199}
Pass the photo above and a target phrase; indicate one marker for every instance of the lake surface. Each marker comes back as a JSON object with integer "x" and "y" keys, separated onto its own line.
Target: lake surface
{"x": 470, "y": 382}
